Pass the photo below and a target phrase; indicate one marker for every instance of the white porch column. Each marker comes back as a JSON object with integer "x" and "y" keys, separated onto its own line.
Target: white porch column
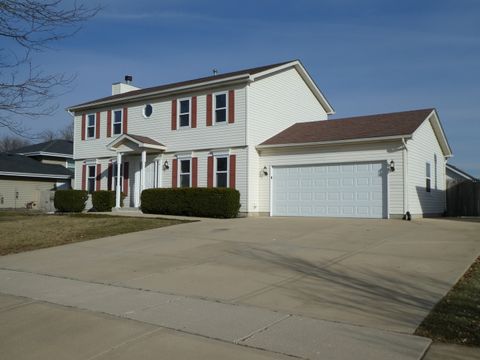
{"x": 144, "y": 160}
{"x": 118, "y": 188}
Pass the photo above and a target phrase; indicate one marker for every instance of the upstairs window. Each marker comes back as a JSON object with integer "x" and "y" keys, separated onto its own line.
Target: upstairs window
{"x": 91, "y": 126}
{"x": 221, "y": 171}
{"x": 117, "y": 122}
{"x": 185, "y": 172}
{"x": 91, "y": 175}
{"x": 220, "y": 108}
{"x": 184, "y": 113}
{"x": 428, "y": 186}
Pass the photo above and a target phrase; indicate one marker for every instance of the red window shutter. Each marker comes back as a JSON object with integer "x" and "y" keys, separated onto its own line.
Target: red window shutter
{"x": 84, "y": 177}
{"x": 125, "y": 178}
{"x": 83, "y": 126}
{"x": 110, "y": 176}
{"x": 97, "y": 126}
{"x": 174, "y": 114}
{"x": 210, "y": 172}
{"x": 231, "y": 106}
{"x": 233, "y": 170}
{"x": 109, "y": 123}
{"x": 194, "y": 111}
{"x": 174, "y": 173}
{"x": 209, "y": 110}
{"x": 98, "y": 177}
{"x": 125, "y": 120}
{"x": 194, "y": 172}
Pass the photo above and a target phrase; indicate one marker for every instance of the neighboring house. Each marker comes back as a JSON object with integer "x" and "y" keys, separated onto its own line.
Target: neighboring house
{"x": 455, "y": 175}
{"x": 28, "y": 183}
{"x": 247, "y": 130}
{"x": 57, "y": 152}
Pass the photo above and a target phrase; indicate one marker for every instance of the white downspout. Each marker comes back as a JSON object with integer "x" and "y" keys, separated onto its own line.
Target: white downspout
{"x": 405, "y": 176}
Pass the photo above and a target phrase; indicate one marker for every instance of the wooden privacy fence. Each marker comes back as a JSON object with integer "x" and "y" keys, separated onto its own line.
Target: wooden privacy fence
{"x": 463, "y": 199}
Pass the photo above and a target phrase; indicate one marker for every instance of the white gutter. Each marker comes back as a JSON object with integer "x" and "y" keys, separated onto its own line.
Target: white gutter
{"x": 308, "y": 144}
{"x": 148, "y": 95}
{"x": 405, "y": 176}
{"x": 44, "y": 153}
{"x": 9, "y": 173}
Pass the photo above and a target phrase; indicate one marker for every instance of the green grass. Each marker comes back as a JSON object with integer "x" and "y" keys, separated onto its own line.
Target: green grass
{"x": 456, "y": 318}
{"x": 24, "y": 231}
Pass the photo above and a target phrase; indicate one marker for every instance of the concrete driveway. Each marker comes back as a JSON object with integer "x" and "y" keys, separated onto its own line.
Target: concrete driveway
{"x": 381, "y": 274}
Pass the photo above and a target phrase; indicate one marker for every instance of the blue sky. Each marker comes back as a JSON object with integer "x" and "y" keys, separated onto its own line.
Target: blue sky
{"x": 369, "y": 56}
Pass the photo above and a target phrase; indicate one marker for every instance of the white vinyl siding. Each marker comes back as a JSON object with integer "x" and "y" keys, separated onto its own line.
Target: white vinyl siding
{"x": 275, "y": 103}
{"x": 379, "y": 152}
{"x": 422, "y": 149}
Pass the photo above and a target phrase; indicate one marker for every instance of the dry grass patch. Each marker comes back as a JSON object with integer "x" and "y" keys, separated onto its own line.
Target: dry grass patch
{"x": 29, "y": 231}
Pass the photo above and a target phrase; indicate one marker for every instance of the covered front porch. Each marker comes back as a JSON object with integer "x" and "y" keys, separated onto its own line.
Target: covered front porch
{"x": 139, "y": 163}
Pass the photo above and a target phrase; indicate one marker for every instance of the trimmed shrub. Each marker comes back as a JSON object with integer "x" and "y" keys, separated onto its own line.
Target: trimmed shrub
{"x": 204, "y": 202}
{"x": 70, "y": 200}
{"x": 103, "y": 200}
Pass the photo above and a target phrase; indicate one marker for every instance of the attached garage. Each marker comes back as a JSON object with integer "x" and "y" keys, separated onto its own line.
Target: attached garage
{"x": 331, "y": 190}
{"x": 376, "y": 166}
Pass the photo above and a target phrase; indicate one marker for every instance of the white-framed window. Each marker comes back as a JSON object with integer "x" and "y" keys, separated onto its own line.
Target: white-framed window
{"x": 91, "y": 177}
{"x": 70, "y": 164}
{"x": 220, "y": 107}
{"x": 185, "y": 172}
{"x": 91, "y": 119}
{"x": 117, "y": 122}
{"x": 221, "y": 171}
{"x": 184, "y": 112}
{"x": 428, "y": 185}
{"x": 435, "y": 172}
{"x": 114, "y": 176}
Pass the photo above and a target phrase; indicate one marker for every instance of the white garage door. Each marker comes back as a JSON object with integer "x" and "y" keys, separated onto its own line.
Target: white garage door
{"x": 336, "y": 190}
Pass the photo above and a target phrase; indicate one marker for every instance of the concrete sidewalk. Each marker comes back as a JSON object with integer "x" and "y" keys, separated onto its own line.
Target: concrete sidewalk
{"x": 273, "y": 331}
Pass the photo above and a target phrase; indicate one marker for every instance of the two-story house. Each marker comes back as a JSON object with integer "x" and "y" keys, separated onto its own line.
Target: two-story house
{"x": 264, "y": 131}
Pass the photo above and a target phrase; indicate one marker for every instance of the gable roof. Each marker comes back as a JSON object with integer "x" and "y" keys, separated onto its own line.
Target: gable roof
{"x": 240, "y": 75}
{"x": 141, "y": 141}
{"x": 361, "y": 128}
{"x": 21, "y": 165}
{"x": 58, "y": 147}
{"x": 352, "y": 128}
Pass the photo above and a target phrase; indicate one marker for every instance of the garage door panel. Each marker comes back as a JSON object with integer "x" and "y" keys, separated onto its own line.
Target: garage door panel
{"x": 348, "y": 190}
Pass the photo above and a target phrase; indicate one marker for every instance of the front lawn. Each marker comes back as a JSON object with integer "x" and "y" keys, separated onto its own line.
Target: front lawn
{"x": 22, "y": 231}
{"x": 456, "y": 318}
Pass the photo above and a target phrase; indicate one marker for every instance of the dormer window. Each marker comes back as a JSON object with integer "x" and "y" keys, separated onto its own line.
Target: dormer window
{"x": 117, "y": 122}
{"x": 91, "y": 126}
{"x": 184, "y": 111}
{"x": 220, "y": 107}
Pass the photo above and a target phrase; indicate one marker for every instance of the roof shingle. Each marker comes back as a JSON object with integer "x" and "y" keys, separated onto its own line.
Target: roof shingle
{"x": 53, "y": 146}
{"x": 360, "y": 127}
{"x": 16, "y": 163}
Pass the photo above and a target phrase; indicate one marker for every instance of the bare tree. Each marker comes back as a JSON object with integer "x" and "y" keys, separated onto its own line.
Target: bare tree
{"x": 10, "y": 143}
{"x": 29, "y": 27}
{"x": 65, "y": 133}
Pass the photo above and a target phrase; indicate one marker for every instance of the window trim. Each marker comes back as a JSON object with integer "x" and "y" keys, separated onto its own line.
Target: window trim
{"x": 214, "y": 108}
{"x": 94, "y": 126}
{"x": 88, "y": 177}
{"x": 113, "y": 121}
{"x": 143, "y": 111}
{"x": 179, "y": 170}
{"x": 215, "y": 171}
{"x": 435, "y": 170}
{"x": 180, "y": 113}
{"x": 428, "y": 177}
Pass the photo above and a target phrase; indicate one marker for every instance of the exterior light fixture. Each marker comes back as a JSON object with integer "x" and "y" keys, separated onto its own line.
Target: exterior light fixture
{"x": 265, "y": 171}
{"x": 165, "y": 165}
{"x": 392, "y": 166}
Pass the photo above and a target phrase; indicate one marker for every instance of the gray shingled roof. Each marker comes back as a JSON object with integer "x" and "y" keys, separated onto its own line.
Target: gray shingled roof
{"x": 146, "y": 91}
{"x": 53, "y": 146}
{"x": 15, "y": 163}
